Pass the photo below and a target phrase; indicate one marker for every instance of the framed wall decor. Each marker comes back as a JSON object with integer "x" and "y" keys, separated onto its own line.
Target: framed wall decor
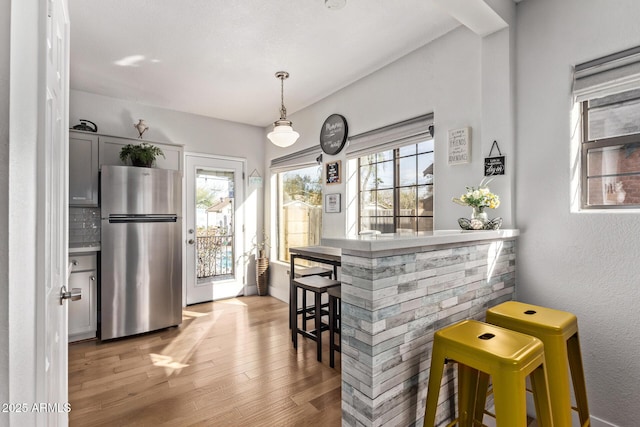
{"x": 333, "y": 171}
{"x": 332, "y": 203}
{"x": 459, "y": 146}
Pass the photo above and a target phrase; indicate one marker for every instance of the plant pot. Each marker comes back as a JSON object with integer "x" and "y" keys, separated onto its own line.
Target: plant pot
{"x": 262, "y": 276}
{"x": 141, "y": 163}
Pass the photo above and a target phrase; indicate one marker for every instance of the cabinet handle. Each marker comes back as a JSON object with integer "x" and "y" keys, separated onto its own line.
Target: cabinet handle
{"x": 74, "y": 262}
{"x": 92, "y": 278}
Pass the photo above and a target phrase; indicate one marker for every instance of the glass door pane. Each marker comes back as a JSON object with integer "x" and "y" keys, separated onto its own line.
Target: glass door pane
{"x": 215, "y": 220}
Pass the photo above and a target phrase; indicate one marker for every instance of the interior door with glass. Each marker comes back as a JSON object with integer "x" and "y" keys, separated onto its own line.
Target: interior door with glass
{"x": 214, "y": 223}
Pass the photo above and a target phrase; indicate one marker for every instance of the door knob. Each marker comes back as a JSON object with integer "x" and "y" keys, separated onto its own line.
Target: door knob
{"x": 74, "y": 295}
{"x": 191, "y": 241}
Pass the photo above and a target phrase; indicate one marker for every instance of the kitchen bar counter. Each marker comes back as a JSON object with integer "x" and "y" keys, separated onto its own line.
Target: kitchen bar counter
{"x": 395, "y": 241}
{"x": 397, "y": 290}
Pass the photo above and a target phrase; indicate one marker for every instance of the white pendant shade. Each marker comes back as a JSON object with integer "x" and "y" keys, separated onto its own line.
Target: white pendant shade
{"x": 283, "y": 135}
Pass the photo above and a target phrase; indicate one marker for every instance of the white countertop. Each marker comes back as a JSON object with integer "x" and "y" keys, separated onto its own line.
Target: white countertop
{"x": 76, "y": 249}
{"x": 384, "y": 242}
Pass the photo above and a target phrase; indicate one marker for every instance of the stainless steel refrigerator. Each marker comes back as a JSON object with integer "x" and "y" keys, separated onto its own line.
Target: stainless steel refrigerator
{"x": 141, "y": 256}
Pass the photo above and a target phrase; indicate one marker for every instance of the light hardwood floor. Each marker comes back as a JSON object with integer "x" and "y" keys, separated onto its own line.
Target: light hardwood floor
{"x": 230, "y": 363}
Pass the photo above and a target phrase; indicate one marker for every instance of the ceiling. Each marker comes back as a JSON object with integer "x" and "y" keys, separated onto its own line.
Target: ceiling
{"x": 218, "y": 58}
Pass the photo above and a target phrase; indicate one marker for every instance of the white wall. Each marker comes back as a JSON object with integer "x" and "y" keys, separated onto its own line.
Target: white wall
{"x": 585, "y": 263}
{"x": 198, "y": 134}
{"x": 5, "y": 14}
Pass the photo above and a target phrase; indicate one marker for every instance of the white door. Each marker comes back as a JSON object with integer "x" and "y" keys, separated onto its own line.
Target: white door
{"x": 56, "y": 212}
{"x": 214, "y": 228}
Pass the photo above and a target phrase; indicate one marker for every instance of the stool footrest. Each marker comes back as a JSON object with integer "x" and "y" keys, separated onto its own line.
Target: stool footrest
{"x": 312, "y": 334}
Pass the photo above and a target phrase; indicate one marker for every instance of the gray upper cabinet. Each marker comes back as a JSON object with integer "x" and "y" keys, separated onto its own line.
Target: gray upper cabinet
{"x": 83, "y": 169}
{"x": 110, "y": 152}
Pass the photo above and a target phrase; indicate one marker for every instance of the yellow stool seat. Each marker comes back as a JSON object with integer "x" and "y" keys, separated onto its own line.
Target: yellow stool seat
{"x": 558, "y": 331}
{"x": 482, "y": 350}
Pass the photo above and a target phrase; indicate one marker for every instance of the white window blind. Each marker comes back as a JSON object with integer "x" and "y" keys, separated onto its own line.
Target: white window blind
{"x": 305, "y": 157}
{"x": 393, "y": 136}
{"x": 605, "y": 76}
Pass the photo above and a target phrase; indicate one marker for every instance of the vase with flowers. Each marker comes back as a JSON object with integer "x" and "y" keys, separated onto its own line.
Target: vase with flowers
{"x": 479, "y": 198}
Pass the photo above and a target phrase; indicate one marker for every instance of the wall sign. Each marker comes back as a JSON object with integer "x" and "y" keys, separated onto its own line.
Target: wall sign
{"x": 459, "y": 146}
{"x": 333, "y": 172}
{"x": 494, "y": 165}
{"x": 333, "y": 135}
{"x": 255, "y": 180}
{"x": 332, "y": 203}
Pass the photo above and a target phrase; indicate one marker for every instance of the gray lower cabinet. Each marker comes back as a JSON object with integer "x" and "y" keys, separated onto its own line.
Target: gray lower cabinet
{"x": 83, "y": 313}
{"x": 83, "y": 169}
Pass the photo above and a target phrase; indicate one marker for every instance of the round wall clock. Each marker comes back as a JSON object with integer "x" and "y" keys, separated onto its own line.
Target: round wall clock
{"x": 333, "y": 135}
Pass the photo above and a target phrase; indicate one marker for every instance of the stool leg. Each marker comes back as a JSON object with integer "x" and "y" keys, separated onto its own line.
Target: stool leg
{"x": 332, "y": 327}
{"x": 577, "y": 375}
{"x": 433, "y": 392}
{"x": 510, "y": 400}
{"x": 294, "y": 313}
{"x": 304, "y": 310}
{"x": 318, "y": 321}
{"x": 539, "y": 385}
{"x": 556, "y": 357}
{"x": 481, "y": 396}
{"x": 467, "y": 388}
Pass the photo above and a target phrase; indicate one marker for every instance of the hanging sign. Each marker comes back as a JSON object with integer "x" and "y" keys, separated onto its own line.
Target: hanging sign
{"x": 255, "y": 180}
{"x": 494, "y": 165}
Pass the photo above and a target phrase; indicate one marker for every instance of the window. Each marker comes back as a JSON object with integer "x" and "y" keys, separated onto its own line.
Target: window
{"x": 611, "y": 150}
{"x": 299, "y": 208}
{"x": 608, "y": 91}
{"x": 393, "y": 177}
{"x": 396, "y": 189}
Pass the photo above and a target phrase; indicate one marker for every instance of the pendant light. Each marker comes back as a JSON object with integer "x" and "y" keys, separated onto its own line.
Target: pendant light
{"x": 283, "y": 134}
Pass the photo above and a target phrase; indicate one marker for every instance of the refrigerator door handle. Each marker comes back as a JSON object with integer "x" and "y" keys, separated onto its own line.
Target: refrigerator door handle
{"x": 125, "y": 219}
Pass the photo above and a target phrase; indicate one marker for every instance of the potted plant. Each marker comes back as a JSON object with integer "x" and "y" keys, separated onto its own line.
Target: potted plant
{"x": 262, "y": 264}
{"x": 143, "y": 155}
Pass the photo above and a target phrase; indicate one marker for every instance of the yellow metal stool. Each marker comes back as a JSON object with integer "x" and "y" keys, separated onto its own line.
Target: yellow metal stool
{"x": 558, "y": 330}
{"x": 482, "y": 350}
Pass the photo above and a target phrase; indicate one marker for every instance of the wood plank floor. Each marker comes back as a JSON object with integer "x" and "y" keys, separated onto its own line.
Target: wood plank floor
{"x": 230, "y": 363}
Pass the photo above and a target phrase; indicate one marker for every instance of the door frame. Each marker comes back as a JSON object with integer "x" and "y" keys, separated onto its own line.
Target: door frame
{"x": 241, "y": 207}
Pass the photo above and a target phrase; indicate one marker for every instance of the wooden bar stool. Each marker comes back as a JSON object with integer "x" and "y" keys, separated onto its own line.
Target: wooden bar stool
{"x": 558, "y": 331}
{"x": 301, "y": 271}
{"x": 335, "y": 296}
{"x": 318, "y": 285}
{"x": 482, "y": 350}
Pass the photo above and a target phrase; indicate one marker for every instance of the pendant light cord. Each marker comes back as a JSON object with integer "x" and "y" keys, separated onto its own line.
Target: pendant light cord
{"x": 283, "y": 111}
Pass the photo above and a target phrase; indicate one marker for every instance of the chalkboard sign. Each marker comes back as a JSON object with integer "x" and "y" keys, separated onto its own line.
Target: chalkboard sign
{"x": 494, "y": 165}
{"x": 333, "y": 135}
{"x": 333, "y": 172}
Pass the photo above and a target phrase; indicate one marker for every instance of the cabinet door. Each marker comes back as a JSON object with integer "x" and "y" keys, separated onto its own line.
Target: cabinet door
{"x": 110, "y": 152}
{"x": 83, "y": 169}
{"x": 83, "y": 312}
